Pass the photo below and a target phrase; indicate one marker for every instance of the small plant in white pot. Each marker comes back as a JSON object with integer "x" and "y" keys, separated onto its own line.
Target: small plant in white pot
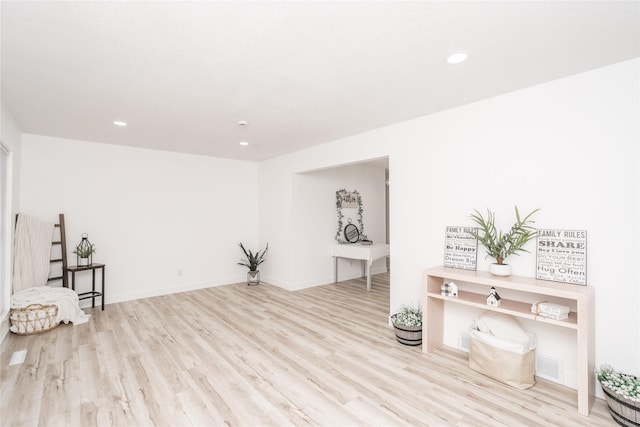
{"x": 407, "y": 323}
{"x": 84, "y": 252}
{"x": 252, "y": 261}
{"x": 500, "y": 245}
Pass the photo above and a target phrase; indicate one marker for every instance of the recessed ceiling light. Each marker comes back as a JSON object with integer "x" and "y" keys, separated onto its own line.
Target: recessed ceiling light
{"x": 457, "y": 58}
{"x": 243, "y": 123}
{"x": 244, "y": 143}
{"x": 119, "y": 123}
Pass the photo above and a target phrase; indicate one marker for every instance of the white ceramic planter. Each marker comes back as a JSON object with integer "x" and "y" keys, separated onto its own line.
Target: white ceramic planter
{"x": 500, "y": 269}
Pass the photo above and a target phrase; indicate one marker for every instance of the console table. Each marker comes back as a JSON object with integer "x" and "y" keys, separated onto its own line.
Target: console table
{"x": 366, "y": 253}
{"x": 528, "y": 290}
{"x": 93, "y": 294}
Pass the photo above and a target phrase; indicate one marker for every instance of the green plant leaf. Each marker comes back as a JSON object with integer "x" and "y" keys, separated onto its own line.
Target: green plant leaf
{"x": 252, "y": 260}
{"x": 500, "y": 245}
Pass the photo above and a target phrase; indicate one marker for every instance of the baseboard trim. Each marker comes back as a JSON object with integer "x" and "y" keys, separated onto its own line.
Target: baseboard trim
{"x": 4, "y": 325}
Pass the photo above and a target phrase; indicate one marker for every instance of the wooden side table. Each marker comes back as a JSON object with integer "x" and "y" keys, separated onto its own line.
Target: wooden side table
{"x": 93, "y": 294}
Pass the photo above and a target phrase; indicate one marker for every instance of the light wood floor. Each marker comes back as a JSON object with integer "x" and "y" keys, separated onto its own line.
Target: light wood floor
{"x": 251, "y": 356}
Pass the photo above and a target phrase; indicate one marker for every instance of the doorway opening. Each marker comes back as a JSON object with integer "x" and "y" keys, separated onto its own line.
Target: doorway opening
{"x": 316, "y": 214}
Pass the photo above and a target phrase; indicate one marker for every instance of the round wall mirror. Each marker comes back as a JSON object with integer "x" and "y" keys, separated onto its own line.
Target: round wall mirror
{"x": 351, "y": 233}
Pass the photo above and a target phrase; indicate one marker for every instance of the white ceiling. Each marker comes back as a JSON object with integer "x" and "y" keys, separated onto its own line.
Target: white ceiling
{"x": 302, "y": 73}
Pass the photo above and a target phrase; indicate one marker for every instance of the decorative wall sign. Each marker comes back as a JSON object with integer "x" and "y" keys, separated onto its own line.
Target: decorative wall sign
{"x": 349, "y": 205}
{"x": 562, "y": 256}
{"x": 460, "y": 248}
{"x": 348, "y": 199}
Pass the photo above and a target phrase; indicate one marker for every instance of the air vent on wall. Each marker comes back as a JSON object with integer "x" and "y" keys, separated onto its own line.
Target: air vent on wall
{"x": 549, "y": 368}
{"x": 463, "y": 342}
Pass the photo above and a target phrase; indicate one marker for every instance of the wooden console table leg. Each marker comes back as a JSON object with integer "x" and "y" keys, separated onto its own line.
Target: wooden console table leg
{"x": 585, "y": 366}
{"x": 433, "y": 316}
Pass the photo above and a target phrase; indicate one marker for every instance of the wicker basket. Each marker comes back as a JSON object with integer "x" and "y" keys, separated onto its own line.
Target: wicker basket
{"x": 33, "y": 319}
{"x": 624, "y": 411}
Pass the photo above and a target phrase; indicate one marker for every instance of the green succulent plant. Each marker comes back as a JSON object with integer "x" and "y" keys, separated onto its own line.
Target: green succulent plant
{"x": 408, "y": 316}
{"x": 252, "y": 260}
{"x": 84, "y": 251}
{"x": 500, "y": 245}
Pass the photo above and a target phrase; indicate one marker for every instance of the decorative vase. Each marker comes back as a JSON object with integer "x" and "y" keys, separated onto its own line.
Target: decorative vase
{"x": 408, "y": 335}
{"x": 624, "y": 411}
{"x": 500, "y": 269}
{"x": 253, "y": 277}
{"x": 83, "y": 262}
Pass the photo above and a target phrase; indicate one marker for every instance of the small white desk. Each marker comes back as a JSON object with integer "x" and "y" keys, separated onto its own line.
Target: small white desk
{"x": 366, "y": 253}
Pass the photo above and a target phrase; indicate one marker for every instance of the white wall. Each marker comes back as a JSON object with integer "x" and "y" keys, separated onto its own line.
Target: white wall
{"x": 315, "y": 221}
{"x": 11, "y": 137}
{"x": 162, "y": 222}
{"x": 569, "y": 147}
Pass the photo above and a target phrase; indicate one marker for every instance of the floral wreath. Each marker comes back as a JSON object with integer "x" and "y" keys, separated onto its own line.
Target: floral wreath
{"x": 341, "y": 215}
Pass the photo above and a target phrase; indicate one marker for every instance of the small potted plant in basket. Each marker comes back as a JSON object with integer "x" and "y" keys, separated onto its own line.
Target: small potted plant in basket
{"x": 622, "y": 392}
{"x": 252, "y": 261}
{"x": 500, "y": 245}
{"x": 408, "y": 325}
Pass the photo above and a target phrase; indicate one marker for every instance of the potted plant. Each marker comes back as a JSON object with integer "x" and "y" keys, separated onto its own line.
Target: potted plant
{"x": 407, "y": 324}
{"x": 622, "y": 392}
{"x": 252, "y": 261}
{"x": 84, "y": 251}
{"x": 500, "y": 245}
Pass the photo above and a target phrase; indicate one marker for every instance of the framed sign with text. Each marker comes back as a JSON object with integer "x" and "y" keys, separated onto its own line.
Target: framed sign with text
{"x": 460, "y": 248}
{"x": 562, "y": 256}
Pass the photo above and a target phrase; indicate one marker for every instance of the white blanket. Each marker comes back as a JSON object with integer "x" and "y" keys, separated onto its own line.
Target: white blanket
{"x": 31, "y": 252}
{"x": 66, "y": 300}
{"x": 503, "y": 331}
